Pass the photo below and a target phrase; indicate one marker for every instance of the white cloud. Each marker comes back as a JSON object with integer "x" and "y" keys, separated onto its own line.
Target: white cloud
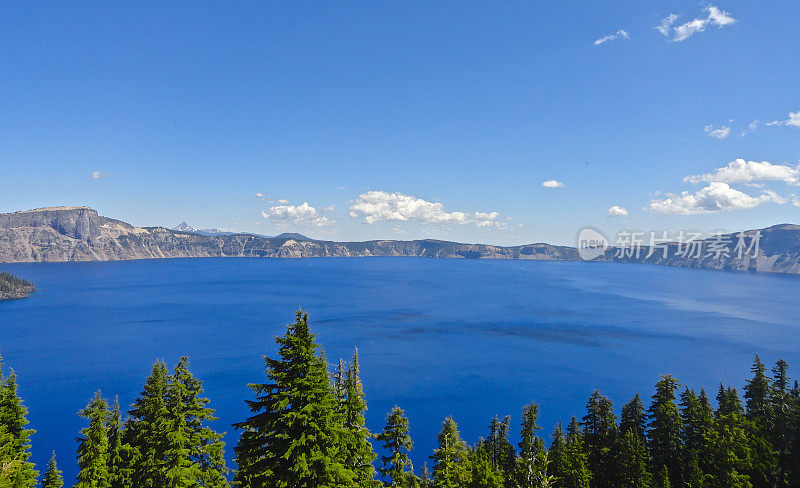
{"x": 792, "y": 121}
{"x": 96, "y": 175}
{"x": 666, "y": 23}
{"x": 303, "y": 214}
{"x": 378, "y": 206}
{"x": 717, "y": 196}
{"x": 715, "y": 16}
{"x": 552, "y": 184}
{"x": 741, "y": 171}
{"x": 283, "y": 201}
{"x": 720, "y": 133}
{"x": 619, "y": 34}
{"x": 616, "y": 211}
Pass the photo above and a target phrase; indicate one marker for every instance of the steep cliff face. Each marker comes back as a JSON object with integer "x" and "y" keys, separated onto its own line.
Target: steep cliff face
{"x": 80, "y": 234}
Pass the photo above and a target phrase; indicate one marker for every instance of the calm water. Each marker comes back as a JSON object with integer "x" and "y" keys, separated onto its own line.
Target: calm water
{"x": 472, "y": 339}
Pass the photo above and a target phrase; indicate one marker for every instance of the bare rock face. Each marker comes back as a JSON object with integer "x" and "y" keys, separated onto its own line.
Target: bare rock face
{"x": 80, "y": 234}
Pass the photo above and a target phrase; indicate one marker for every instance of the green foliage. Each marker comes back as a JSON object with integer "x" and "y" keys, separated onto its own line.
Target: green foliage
{"x": 729, "y": 443}
{"x": 396, "y": 440}
{"x": 147, "y": 430}
{"x": 451, "y": 469}
{"x": 600, "y": 433}
{"x": 632, "y": 469}
{"x": 357, "y": 449}
{"x": 532, "y": 461}
{"x": 482, "y": 473}
{"x": 93, "y": 446}
{"x": 10, "y": 284}
{"x": 664, "y": 433}
{"x": 52, "y": 477}
{"x": 15, "y": 469}
{"x": 294, "y": 437}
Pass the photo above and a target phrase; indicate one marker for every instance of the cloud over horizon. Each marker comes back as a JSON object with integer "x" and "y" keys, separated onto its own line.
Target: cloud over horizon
{"x": 741, "y": 171}
{"x": 379, "y": 206}
{"x": 303, "y": 215}
{"x": 552, "y": 184}
{"x": 617, "y": 211}
{"x": 715, "y": 197}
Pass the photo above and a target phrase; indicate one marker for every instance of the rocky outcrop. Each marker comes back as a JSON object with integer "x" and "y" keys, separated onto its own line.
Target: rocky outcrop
{"x": 12, "y": 287}
{"x": 80, "y": 234}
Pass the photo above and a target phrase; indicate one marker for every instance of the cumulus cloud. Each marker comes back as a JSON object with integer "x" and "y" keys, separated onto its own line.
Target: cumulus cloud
{"x": 96, "y": 175}
{"x": 552, "y": 184}
{"x": 792, "y": 121}
{"x": 715, "y": 197}
{"x": 616, "y": 211}
{"x": 303, "y": 214}
{"x": 681, "y": 32}
{"x": 720, "y": 133}
{"x": 283, "y": 201}
{"x": 378, "y": 206}
{"x": 620, "y": 34}
{"x": 741, "y": 171}
{"x": 261, "y": 196}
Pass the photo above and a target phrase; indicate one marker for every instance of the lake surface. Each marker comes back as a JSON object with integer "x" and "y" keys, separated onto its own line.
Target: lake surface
{"x": 438, "y": 337}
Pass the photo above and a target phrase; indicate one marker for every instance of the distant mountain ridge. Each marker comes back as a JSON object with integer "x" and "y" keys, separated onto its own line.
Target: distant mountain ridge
{"x": 81, "y": 234}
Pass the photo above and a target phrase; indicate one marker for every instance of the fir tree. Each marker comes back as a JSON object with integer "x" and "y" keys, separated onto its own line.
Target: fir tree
{"x": 600, "y": 434}
{"x": 632, "y": 470}
{"x": 52, "y": 477}
{"x": 147, "y": 431}
{"x": 482, "y": 473}
{"x": 425, "y": 477}
{"x": 633, "y": 417}
{"x": 501, "y": 452}
{"x": 532, "y": 461}
{"x": 664, "y": 432}
{"x": 93, "y": 446}
{"x": 358, "y": 452}
{"x": 119, "y": 454}
{"x": 730, "y": 449}
{"x": 293, "y": 438}
{"x": 781, "y": 404}
{"x": 575, "y": 473}
{"x": 15, "y": 469}
{"x": 697, "y": 419}
{"x": 450, "y": 469}
{"x": 397, "y": 465}
{"x": 194, "y": 455}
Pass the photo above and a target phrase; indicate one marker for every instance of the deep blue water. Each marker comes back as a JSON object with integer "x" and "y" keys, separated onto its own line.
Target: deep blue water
{"x": 472, "y": 339}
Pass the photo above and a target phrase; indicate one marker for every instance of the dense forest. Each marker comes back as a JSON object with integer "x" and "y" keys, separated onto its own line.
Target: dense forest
{"x": 14, "y": 287}
{"x": 307, "y": 429}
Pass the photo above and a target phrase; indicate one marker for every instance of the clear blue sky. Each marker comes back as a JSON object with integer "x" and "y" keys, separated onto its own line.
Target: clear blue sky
{"x": 158, "y": 112}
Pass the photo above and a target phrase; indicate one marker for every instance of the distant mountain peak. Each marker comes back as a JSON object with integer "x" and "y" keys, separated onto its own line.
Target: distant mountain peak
{"x": 294, "y": 236}
{"x": 184, "y": 227}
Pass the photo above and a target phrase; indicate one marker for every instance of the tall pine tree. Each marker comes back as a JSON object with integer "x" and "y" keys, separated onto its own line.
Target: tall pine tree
{"x": 358, "y": 452}
{"x": 15, "y": 444}
{"x": 293, "y": 438}
{"x": 532, "y": 461}
{"x": 93, "y": 446}
{"x": 147, "y": 431}
{"x": 397, "y": 467}
{"x": 664, "y": 432}
{"x": 52, "y": 477}
{"x": 450, "y": 469}
{"x": 600, "y": 434}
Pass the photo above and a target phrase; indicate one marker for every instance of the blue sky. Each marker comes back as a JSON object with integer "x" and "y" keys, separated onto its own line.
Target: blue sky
{"x": 405, "y": 119}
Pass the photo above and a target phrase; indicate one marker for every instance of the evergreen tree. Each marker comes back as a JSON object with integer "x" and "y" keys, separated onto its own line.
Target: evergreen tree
{"x": 194, "y": 454}
{"x": 632, "y": 469}
{"x": 697, "y": 419}
{"x": 119, "y": 454}
{"x": 600, "y": 434}
{"x": 575, "y": 472}
{"x": 15, "y": 469}
{"x": 52, "y": 477}
{"x": 661, "y": 479}
{"x": 781, "y": 404}
{"x": 293, "y": 439}
{"x": 557, "y": 456}
{"x": 397, "y": 440}
{"x": 759, "y": 413}
{"x": 425, "y": 477}
{"x": 532, "y": 461}
{"x": 450, "y": 469}
{"x": 482, "y": 473}
{"x": 358, "y": 452}
{"x": 730, "y": 448}
{"x": 93, "y": 446}
{"x": 147, "y": 431}
{"x": 501, "y": 452}
{"x": 664, "y": 432}
{"x": 633, "y": 417}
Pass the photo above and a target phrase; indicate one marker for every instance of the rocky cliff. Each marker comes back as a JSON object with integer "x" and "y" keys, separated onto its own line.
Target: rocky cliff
{"x": 80, "y": 234}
